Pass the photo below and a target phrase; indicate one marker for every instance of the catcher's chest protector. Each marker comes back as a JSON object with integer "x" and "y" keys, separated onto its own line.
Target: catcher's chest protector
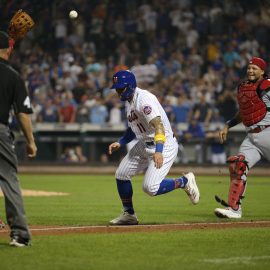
{"x": 252, "y": 109}
{"x": 238, "y": 170}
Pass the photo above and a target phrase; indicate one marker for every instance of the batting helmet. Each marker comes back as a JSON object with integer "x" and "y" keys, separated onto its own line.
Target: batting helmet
{"x": 124, "y": 79}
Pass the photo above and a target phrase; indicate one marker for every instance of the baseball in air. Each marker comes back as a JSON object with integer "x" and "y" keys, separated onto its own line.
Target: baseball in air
{"x": 73, "y": 14}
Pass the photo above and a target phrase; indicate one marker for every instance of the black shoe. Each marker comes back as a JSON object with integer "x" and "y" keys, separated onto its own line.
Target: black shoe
{"x": 17, "y": 241}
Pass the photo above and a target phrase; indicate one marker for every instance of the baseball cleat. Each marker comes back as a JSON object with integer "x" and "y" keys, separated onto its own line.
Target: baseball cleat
{"x": 228, "y": 212}
{"x": 17, "y": 241}
{"x": 191, "y": 188}
{"x": 125, "y": 219}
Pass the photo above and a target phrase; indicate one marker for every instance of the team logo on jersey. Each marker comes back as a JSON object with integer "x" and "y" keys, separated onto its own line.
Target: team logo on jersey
{"x": 147, "y": 109}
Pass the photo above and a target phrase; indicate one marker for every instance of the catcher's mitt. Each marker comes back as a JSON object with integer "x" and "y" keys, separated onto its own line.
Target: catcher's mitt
{"x": 20, "y": 24}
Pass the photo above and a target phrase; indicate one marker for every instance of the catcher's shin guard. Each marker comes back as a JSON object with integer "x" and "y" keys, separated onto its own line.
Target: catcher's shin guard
{"x": 238, "y": 168}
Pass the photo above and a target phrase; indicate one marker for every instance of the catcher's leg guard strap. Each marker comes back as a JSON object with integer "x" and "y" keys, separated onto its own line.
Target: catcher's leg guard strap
{"x": 238, "y": 168}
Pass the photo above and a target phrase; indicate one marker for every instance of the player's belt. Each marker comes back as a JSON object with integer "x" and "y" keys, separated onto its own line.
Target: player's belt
{"x": 258, "y": 129}
{"x": 150, "y": 143}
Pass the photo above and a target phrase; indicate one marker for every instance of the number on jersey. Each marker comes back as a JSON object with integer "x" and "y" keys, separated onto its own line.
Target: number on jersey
{"x": 141, "y": 127}
{"x": 27, "y": 102}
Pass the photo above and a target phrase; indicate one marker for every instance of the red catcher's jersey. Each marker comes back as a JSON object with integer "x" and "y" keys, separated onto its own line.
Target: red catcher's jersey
{"x": 251, "y": 107}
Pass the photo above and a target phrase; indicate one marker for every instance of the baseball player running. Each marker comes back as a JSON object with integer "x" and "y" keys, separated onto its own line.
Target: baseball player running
{"x": 254, "y": 112}
{"x": 154, "y": 152}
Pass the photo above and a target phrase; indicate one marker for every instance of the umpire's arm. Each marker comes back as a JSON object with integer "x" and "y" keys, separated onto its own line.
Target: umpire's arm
{"x": 26, "y": 126}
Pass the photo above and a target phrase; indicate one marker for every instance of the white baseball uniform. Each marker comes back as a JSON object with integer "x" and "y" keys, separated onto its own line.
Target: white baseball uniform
{"x": 140, "y": 111}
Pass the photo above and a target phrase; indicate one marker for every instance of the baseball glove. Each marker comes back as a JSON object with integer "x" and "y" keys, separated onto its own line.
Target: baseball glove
{"x": 20, "y": 24}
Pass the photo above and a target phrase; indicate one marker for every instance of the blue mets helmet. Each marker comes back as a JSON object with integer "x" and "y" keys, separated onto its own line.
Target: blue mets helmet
{"x": 124, "y": 79}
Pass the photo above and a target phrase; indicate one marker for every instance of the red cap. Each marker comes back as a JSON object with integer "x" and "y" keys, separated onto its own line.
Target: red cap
{"x": 258, "y": 62}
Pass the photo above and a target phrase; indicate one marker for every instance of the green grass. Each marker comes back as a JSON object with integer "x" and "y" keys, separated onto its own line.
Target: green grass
{"x": 93, "y": 200}
{"x": 199, "y": 249}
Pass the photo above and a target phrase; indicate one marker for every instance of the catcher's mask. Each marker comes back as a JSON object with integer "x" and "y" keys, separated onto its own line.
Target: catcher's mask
{"x": 125, "y": 80}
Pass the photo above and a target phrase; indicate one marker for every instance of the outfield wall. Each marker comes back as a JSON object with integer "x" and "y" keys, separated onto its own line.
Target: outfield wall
{"x": 55, "y": 141}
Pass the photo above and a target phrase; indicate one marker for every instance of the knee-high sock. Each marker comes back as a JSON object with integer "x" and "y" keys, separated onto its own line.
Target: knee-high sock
{"x": 125, "y": 192}
{"x": 168, "y": 185}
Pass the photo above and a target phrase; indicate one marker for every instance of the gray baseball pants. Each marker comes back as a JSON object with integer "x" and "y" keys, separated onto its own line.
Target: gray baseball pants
{"x": 10, "y": 186}
{"x": 255, "y": 146}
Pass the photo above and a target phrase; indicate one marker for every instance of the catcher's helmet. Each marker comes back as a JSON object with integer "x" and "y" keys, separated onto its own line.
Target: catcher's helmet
{"x": 124, "y": 79}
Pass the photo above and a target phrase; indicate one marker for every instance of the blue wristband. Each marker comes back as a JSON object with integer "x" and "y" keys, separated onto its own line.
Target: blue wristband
{"x": 159, "y": 147}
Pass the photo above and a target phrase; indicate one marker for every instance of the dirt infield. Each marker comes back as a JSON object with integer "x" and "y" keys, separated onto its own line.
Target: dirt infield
{"x": 62, "y": 230}
{"x": 38, "y": 193}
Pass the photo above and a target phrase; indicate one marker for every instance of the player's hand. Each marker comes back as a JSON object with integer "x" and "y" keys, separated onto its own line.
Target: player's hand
{"x": 31, "y": 149}
{"x": 158, "y": 159}
{"x": 223, "y": 134}
{"x": 114, "y": 147}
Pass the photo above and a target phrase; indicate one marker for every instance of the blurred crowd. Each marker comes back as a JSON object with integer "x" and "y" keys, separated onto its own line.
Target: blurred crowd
{"x": 190, "y": 53}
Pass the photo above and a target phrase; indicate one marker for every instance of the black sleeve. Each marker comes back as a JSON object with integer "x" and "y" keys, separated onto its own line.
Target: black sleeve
{"x": 21, "y": 100}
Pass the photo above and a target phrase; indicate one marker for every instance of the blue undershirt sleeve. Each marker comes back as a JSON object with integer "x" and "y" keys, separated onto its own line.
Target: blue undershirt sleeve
{"x": 127, "y": 137}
